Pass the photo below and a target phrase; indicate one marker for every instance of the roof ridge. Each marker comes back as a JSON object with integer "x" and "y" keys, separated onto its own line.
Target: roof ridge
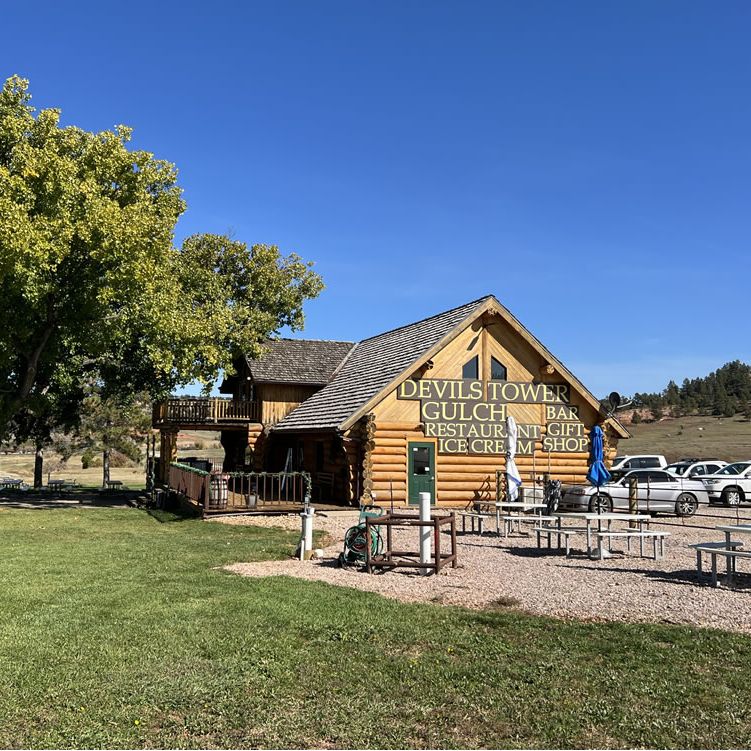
{"x": 344, "y": 359}
{"x": 327, "y": 341}
{"x": 429, "y": 318}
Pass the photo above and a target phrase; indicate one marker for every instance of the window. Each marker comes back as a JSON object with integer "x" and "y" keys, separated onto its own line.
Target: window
{"x": 420, "y": 460}
{"x": 497, "y": 370}
{"x": 649, "y": 461}
{"x": 471, "y": 369}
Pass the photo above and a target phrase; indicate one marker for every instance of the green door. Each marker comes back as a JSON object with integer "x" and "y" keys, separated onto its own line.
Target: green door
{"x": 420, "y": 471}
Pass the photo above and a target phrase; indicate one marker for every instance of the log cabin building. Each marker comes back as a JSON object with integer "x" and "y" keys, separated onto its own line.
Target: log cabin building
{"x": 420, "y": 408}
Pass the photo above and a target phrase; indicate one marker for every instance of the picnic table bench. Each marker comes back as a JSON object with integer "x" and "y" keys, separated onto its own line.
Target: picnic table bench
{"x": 728, "y": 549}
{"x": 565, "y": 532}
{"x": 628, "y": 535}
{"x": 475, "y": 517}
{"x": 114, "y": 484}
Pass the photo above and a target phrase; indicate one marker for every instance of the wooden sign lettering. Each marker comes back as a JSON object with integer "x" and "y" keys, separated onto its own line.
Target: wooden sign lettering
{"x": 457, "y": 413}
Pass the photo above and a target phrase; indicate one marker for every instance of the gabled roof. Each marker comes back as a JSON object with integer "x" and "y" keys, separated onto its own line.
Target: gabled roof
{"x": 379, "y": 364}
{"x": 304, "y": 361}
{"x": 374, "y": 364}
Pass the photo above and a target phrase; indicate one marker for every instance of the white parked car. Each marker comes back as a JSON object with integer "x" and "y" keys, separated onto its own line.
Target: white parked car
{"x": 696, "y": 468}
{"x": 656, "y": 490}
{"x": 730, "y": 485}
{"x": 639, "y": 461}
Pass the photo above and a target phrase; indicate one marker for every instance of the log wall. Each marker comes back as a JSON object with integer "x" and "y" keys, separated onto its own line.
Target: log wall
{"x": 460, "y": 478}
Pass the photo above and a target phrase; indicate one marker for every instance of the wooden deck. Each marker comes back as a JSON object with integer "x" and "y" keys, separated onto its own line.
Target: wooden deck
{"x": 208, "y": 413}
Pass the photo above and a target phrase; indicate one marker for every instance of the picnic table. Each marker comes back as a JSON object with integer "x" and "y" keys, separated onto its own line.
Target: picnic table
{"x": 114, "y": 484}
{"x": 592, "y": 519}
{"x": 728, "y": 549}
{"x": 55, "y": 484}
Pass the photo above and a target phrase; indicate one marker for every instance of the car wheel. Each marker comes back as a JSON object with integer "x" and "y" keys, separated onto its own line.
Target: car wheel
{"x": 600, "y": 504}
{"x": 686, "y": 505}
{"x": 732, "y": 496}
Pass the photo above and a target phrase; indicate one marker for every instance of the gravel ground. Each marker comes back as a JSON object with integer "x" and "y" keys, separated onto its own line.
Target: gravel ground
{"x": 497, "y": 572}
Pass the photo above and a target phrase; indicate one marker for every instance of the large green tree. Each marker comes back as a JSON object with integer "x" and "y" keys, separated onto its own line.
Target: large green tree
{"x": 92, "y": 286}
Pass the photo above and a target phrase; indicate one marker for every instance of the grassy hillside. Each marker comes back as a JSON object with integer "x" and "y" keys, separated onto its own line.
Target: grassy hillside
{"x": 711, "y": 437}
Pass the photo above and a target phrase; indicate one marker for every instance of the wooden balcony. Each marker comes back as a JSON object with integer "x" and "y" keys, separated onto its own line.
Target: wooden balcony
{"x": 209, "y": 413}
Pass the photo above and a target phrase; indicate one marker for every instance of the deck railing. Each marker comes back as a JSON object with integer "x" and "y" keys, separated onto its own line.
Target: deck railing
{"x": 203, "y": 411}
{"x": 222, "y": 492}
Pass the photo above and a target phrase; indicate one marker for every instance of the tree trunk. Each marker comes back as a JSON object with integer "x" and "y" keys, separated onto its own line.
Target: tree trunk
{"x": 105, "y": 467}
{"x": 38, "y": 467}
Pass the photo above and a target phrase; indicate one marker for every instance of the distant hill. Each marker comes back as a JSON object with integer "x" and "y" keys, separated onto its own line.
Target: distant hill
{"x": 725, "y": 392}
{"x": 701, "y": 436}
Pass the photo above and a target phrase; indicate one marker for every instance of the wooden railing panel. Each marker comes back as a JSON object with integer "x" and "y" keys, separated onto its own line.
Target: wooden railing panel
{"x": 219, "y": 492}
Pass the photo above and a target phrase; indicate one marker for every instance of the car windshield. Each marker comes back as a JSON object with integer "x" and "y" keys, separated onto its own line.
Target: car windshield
{"x": 734, "y": 469}
{"x": 618, "y": 459}
{"x": 679, "y": 469}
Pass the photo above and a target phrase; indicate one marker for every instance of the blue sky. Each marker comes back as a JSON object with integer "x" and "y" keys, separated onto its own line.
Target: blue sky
{"x": 586, "y": 162}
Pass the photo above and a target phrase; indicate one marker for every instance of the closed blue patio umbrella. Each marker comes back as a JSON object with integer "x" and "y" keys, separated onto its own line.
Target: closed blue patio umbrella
{"x": 597, "y": 474}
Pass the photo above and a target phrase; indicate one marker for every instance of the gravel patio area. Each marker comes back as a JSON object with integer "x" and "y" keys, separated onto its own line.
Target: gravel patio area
{"x": 498, "y": 572}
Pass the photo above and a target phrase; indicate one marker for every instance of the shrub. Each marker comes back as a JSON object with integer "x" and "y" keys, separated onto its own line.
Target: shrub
{"x": 90, "y": 458}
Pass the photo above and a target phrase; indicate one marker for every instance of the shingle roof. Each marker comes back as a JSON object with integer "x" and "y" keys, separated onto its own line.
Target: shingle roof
{"x": 304, "y": 361}
{"x": 371, "y": 366}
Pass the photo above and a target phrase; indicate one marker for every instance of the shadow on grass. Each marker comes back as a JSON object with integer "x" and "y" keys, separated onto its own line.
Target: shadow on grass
{"x": 168, "y": 516}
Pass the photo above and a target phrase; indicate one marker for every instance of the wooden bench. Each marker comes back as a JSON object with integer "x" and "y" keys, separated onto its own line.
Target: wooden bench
{"x": 628, "y": 535}
{"x": 719, "y": 548}
{"x": 565, "y": 532}
{"x": 114, "y": 484}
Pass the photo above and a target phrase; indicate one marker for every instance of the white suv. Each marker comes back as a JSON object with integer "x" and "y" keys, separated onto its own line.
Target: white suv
{"x": 696, "y": 468}
{"x": 639, "y": 461}
{"x": 731, "y": 484}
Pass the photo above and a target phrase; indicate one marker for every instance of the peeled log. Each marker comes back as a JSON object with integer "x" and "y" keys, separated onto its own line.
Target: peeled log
{"x": 401, "y": 469}
{"x": 466, "y": 476}
{"x": 387, "y": 450}
{"x": 403, "y": 434}
{"x": 397, "y": 442}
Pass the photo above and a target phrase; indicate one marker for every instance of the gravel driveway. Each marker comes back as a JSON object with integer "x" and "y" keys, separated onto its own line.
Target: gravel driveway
{"x": 497, "y": 572}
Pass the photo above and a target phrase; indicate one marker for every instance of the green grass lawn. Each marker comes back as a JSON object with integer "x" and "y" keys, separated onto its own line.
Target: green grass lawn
{"x": 118, "y": 630}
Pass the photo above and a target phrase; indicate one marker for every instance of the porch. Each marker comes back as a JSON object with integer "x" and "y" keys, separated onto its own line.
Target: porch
{"x": 240, "y": 492}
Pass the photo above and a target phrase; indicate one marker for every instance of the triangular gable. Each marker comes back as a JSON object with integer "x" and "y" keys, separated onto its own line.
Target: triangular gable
{"x": 394, "y": 357}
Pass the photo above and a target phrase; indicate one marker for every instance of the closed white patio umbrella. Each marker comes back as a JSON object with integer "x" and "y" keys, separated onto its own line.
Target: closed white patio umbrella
{"x": 513, "y": 478}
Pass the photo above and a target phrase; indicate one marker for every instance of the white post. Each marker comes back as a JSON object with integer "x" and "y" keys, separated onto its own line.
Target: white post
{"x": 306, "y": 536}
{"x": 425, "y": 545}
